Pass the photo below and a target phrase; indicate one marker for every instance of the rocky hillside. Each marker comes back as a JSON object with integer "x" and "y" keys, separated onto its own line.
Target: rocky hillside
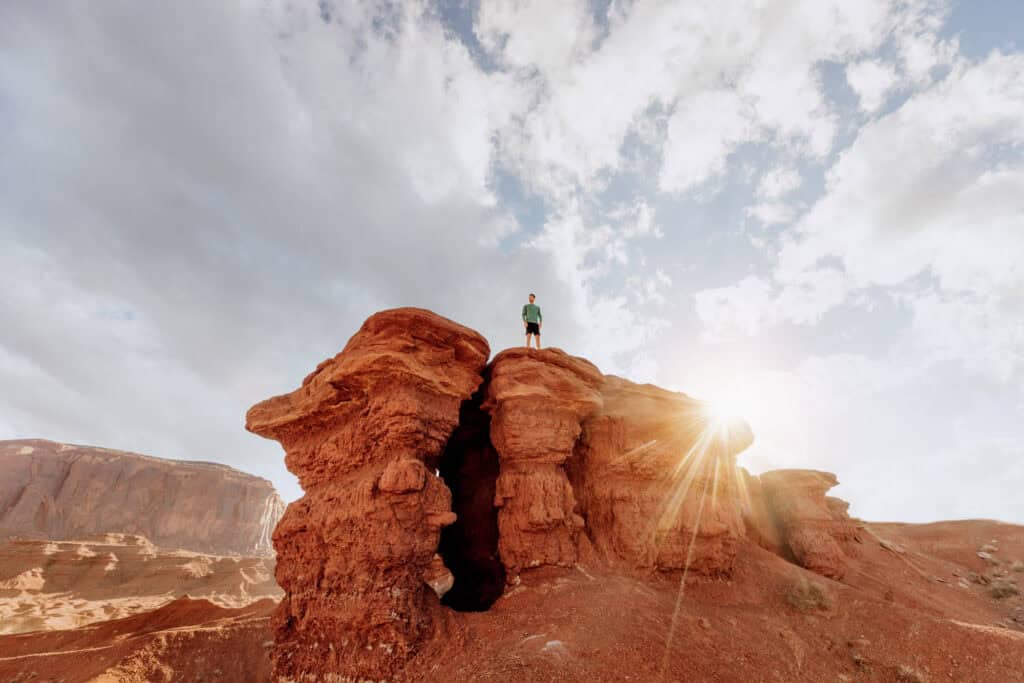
{"x": 60, "y": 491}
{"x": 48, "y": 585}
{"x": 602, "y": 530}
{"x": 184, "y": 640}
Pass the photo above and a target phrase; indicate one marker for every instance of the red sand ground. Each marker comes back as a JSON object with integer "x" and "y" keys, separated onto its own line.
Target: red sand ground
{"x": 900, "y": 614}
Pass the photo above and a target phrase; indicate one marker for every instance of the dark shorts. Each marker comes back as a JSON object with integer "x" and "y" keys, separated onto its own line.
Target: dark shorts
{"x": 533, "y": 328}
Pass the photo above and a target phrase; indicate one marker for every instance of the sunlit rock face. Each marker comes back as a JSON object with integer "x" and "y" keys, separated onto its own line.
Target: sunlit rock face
{"x": 657, "y": 481}
{"x": 363, "y": 434}
{"x": 537, "y": 401}
{"x": 758, "y": 517}
{"x": 60, "y": 491}
{"x": 813, "y": 526}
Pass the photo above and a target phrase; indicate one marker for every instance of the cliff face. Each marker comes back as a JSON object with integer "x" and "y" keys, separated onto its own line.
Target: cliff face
{"x": 60, "y": 491}
{"x": 658, "y": 483}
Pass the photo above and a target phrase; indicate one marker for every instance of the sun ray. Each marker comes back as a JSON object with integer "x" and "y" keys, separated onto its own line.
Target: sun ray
{"x": 682, "y": 584}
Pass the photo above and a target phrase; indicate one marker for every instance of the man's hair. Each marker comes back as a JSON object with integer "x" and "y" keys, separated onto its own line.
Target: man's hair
{"x": 533, "y": 295}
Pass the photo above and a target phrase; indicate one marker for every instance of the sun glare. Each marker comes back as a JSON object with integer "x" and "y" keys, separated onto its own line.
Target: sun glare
{"x": 723, "y": 414}
{"x": 730, "y": 407}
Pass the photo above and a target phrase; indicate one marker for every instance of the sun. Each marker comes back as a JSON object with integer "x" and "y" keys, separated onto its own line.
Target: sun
{"x": 723, "y": 413}
{"x": 728, "y": 408}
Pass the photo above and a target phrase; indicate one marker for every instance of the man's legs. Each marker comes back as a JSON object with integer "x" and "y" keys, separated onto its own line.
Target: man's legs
{"x": 527, "y": 340}
{"x": 537, "y": 336}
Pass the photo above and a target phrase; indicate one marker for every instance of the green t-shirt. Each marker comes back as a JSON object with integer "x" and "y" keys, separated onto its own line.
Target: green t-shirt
{"x": 531, "y": 313}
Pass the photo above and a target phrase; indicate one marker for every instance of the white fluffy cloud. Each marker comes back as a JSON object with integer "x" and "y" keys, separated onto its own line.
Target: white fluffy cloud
{"x": 753, "y": 65}
{"x": 702, "y": 131}
{"x": 872, "y": 80}
{"x": 931, "y": 189}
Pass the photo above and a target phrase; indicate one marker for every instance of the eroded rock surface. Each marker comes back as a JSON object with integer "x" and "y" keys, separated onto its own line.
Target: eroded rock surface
{"x": 61, "y": 491}
{"x": 657, "y": 480}
{"x": 364, "y": 434}
{"x": 537, "y": 401}
{"x": 812, "y": 525}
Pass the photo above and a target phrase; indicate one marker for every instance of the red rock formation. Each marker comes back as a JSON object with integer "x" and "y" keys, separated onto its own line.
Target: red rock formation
{"x": 354, "y": 552}
{"x": 537, "y": 400}
{"x": 657, "y": 480}
{"x": 60, "y": 491}
{"x": 758, "y": 518}
{"x": 812, "y": 524}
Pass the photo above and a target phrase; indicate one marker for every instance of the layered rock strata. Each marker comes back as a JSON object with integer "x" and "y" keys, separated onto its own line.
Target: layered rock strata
{"x": 354, "y": 551}
{"x": 47, "y": 585}
{"x": 537, "y": 401}
{"x": 60, "y": 491}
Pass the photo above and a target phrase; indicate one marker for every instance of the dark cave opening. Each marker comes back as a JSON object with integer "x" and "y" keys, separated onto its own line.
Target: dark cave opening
{"x": 469, "y": 547}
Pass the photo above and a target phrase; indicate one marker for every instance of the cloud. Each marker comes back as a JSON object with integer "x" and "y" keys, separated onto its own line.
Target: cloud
{"x": 931, "y": 189}
{"x": 872, "y": 80}
{"x": 755, "y": 67}
{"x": 778, "y": 182}
{"x": 536, "y": 35}
{"x": 702, "y": 131}
{"x": 197, "y": 201}
{"x": 921, "y": 217}
{"x": 200, "y": 201}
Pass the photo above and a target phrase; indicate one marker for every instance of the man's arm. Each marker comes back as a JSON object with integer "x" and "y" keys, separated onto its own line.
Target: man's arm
{"x": 540, "y": 318}
{"x": 524, "y": 315}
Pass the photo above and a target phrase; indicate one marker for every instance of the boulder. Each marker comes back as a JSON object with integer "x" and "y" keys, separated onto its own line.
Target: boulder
{"x": 812, "y": 524}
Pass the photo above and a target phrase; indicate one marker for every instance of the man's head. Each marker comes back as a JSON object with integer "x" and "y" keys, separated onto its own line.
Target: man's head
{"x": 532, "y": 297}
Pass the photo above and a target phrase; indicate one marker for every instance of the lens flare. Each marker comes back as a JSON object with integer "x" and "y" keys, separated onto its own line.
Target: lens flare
{"x": 718, "y": 431}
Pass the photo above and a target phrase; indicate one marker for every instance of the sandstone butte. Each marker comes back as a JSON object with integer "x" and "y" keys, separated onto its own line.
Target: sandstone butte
{"x": 414, "y": 449}
{"x": 55, "y": 491}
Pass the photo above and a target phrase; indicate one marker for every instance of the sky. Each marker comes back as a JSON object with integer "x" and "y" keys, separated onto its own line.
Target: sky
{"x": 811, "y": 211}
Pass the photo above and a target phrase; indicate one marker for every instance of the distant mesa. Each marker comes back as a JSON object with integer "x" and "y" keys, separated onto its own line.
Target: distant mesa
{"x": 59, "y": 491}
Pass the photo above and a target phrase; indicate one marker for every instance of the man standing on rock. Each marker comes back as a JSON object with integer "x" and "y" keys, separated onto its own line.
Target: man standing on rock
{"x": 532, "y": 320}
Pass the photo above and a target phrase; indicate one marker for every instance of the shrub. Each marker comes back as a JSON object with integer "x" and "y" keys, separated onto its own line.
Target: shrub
{"x": 909, "y": 674}
{"x": 807, "y": 595}
{"x": 1003, "y": 589}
